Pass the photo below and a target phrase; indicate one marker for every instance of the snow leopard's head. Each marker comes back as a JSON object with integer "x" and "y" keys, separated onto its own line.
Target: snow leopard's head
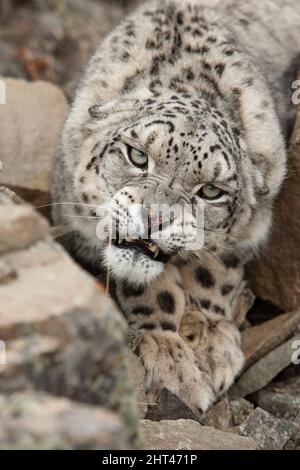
{"x": 144, "y": 168}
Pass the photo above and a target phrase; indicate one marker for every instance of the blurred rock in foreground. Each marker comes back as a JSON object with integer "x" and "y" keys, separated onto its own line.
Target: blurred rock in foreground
{"x": 62, "y": 335}
{"x": 38, "y": 421}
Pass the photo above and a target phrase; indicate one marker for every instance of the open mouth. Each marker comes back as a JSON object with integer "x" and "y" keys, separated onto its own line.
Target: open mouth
{"x": 147, "y": 247}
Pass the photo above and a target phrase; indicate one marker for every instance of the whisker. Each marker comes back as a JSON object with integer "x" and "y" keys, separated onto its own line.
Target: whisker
{"x": 67, "y": 203}
{"x": 212, "y": 253}
{"x": 82, "y": 216}
{"x": 192, "y": 255}
{"x": 108, "y": 264}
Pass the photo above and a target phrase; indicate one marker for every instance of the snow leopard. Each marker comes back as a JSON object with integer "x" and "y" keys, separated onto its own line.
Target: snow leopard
{"x": 185, "y": 103}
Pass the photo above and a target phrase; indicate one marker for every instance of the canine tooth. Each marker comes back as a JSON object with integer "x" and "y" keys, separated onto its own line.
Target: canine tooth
{"x": 156, "y": 253}
{"x": 152, "y": 247}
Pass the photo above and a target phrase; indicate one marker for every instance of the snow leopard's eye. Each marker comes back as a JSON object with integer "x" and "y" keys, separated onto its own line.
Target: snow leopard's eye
{"x": 210, "y": 192}
{"x": 137, "y": 157}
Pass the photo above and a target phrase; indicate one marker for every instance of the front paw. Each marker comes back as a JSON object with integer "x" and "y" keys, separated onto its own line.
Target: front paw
{"x": 216, "y": 346}
{"x": 170, "y": 363}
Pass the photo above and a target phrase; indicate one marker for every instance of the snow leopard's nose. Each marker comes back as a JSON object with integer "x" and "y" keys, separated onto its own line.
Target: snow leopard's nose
{"x": 156, "y": 218}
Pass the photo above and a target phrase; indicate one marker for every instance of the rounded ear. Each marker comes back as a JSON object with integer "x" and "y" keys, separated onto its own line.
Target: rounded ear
{"x": 95, "y": 111}
{"x": 103, "y": 109}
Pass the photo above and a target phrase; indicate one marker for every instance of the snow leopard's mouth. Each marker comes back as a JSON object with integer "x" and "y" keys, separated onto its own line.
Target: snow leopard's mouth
{"x": 147, "y": 247}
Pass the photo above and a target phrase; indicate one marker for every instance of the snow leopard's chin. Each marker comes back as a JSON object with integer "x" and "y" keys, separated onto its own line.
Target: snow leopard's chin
{"x": 131, "y": 265}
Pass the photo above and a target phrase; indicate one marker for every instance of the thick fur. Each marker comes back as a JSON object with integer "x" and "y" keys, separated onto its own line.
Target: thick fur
{"x": 203, "y": 88}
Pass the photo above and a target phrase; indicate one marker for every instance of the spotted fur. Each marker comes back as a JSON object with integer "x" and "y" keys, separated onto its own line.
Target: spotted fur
{"x": 202, "y": 87}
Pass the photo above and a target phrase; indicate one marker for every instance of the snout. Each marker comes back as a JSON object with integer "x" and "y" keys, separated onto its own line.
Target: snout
{"x": 156, "y": 219}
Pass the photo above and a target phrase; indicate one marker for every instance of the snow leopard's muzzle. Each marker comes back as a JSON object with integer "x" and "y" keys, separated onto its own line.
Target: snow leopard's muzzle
{"x": 147, "y": 228}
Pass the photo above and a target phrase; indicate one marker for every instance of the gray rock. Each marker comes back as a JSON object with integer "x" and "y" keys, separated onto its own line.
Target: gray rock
{"x": 169, "y": 407}
{"x": 62, "y": 334}
{"x": 281, "y": 405}
{"x": 258, "y": 340}
{"x": 262, "y": 372}
{"x": 269, "y": 432}
{"x": 294, "y": 442}
{"x": 32, "y": 420}
{"x": 186, "y": 434}
{"x": 288, "y": 382}
{"x": 240, "y": 410}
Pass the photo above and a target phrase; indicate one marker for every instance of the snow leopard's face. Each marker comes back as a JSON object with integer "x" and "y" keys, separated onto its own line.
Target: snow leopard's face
{"x": 141, "y": 158}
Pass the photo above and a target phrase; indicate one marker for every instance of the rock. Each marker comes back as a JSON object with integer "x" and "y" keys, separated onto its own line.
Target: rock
{"x": 219, "y": 416}
{"x": 20, "y": 227}
{"x": 281, "y": 405}
{"x": 7, "y": 273}
{"x": 169, "y": 407}
{"x": 40, "y": 421}
{"x": 286, "y": 383}
{"x": 294, "y": 442}
{"x": 259, "y": 340}
{"x": 31, "y": 121}
{"x": 20, "y": 352}
{"x": 63, "y": 335}
{"x": 260, "y": 374}
{"x": 186, "y": 434}
{"x": 275, "y": 274}
{"x": 240, "y": 409}
{"x": 268, "y": 432}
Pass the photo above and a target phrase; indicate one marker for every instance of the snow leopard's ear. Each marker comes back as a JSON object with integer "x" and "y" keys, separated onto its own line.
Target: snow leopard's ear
{"x": 133, "y": 103}
{"x": 102, "y": 109}
{"x": 94, "y": 111}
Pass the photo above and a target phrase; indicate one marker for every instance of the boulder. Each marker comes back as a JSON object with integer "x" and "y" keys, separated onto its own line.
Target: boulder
{"x": 187, "y": 434}
{"x": 281, "y": 405}
{"x": 31, "y": 122}
{"x": 261, "y": 339}
{"x": 39, "y": 421}
{"x": 62, "y": 334}
{"x": 268, "y": 432}
{"x": 264, "y": 371}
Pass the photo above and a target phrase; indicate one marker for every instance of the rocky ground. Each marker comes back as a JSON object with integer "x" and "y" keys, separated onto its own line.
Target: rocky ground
{"x": 68, "y": 377}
